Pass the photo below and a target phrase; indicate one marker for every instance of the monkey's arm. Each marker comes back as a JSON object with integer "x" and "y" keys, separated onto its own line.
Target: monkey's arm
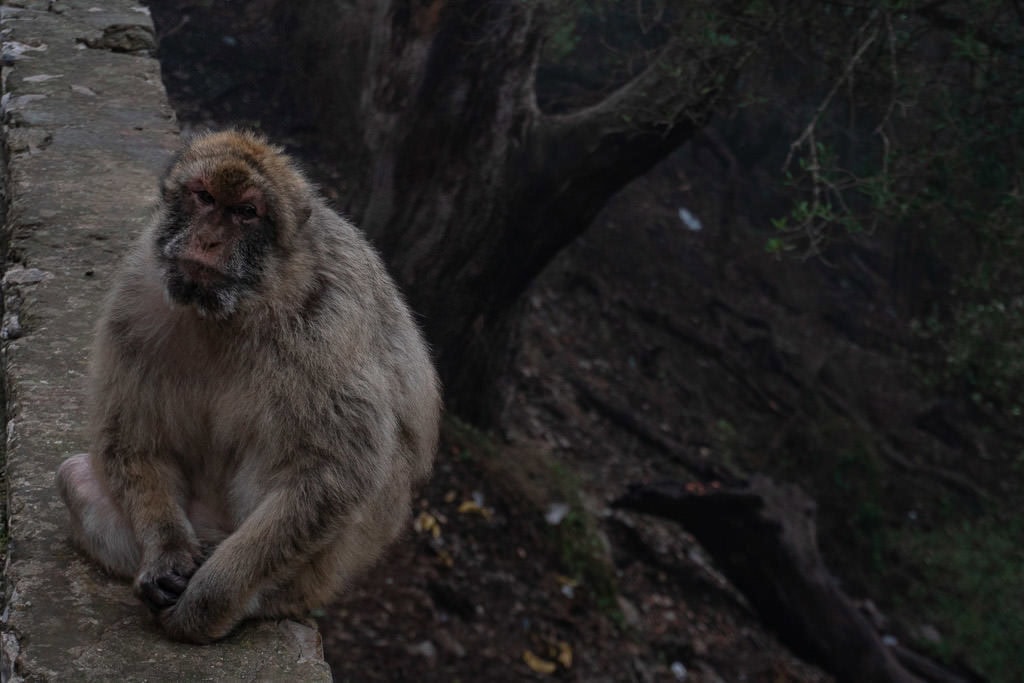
{"x": 288, "y": 527}
{"x": 151, "y": 493}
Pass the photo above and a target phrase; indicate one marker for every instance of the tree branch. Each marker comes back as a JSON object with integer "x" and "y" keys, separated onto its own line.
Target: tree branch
{"x": 635, "y": 125}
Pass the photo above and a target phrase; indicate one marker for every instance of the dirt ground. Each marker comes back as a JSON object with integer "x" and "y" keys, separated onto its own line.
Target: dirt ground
{"x": 645, "y": 339}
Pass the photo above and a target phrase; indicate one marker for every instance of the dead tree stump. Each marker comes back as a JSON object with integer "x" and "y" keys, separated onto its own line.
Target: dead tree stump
{"x": 762, "y": 536}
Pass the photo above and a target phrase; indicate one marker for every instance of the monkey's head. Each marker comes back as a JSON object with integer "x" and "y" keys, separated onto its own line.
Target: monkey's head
{"x": 232, "y": 205}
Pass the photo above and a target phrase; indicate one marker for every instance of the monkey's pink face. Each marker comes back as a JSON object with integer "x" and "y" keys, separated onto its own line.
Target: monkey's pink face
{"x": 214, "y": 244}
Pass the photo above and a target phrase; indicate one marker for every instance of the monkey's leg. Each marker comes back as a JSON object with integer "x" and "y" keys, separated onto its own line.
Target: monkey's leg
{"x": 284, "y": 533}
{"x": 151, "y": 492}
{"x": 312, "y": 586}
{"x": 329, "y": 572}
{"x": 98, "y": 525}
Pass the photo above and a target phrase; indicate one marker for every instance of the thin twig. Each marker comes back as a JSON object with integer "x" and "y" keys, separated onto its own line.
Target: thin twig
{"x": 823, "y": 106}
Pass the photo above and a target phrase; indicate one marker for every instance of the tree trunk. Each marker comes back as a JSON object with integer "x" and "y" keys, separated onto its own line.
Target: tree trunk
{"x": 448, "y": 111}
{"x": 470, "y": 190}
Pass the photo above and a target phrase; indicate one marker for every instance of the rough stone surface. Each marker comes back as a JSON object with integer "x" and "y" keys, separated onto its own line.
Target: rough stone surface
{"x": 87, "y": 129}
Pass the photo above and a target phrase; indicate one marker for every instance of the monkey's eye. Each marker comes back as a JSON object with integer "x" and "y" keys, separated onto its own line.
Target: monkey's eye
{"x": 204, "y": 196}
{"x": 245, "y": 211}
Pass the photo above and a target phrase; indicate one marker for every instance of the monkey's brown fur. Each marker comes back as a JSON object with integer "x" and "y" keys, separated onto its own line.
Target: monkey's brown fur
{"x": 262, "y": 400}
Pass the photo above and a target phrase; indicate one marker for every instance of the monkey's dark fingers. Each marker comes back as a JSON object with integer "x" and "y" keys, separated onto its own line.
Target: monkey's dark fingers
{"x": 163, "y": 591}
{"x": 155, "y": 598}
{"x": 172, "y": 583}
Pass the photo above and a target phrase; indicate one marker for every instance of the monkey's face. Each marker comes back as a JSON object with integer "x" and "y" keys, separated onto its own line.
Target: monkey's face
{"x": 214, "y": 241}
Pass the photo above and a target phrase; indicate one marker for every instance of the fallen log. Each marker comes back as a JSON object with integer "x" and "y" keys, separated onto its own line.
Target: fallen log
{"x": 762, "y": 536}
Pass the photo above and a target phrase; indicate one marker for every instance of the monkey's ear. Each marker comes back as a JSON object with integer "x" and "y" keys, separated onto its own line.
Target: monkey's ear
{"x": 166, "y": 175}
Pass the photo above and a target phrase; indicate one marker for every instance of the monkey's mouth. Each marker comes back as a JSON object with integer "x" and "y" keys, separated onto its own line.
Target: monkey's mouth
{"x": 189, "y": 283}
{"x": 201, "y": 274}
{"x": 209, "y": 290}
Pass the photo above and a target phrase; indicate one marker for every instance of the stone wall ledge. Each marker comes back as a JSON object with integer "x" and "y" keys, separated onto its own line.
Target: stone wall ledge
{"x": 86, "y": 131}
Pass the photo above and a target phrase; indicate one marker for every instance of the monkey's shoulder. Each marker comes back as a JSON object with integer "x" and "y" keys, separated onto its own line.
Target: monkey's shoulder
{"x": 345, "y": 250}
{"x": 349, "y": 286}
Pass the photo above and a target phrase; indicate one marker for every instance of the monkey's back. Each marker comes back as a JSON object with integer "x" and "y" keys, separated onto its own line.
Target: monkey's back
{"x": 370, "y": 335}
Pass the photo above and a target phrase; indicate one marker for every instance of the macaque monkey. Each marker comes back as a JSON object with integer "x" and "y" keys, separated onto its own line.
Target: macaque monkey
{"x": 263, "y": 402}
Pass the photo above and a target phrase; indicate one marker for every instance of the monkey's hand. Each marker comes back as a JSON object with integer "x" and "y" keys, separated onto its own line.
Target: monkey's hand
{"x": 204, "y": 613}
{"x": 162, "y": 582}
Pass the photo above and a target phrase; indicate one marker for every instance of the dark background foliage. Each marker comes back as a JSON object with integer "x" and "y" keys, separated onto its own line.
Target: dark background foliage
{"x": 779, "y": 237}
